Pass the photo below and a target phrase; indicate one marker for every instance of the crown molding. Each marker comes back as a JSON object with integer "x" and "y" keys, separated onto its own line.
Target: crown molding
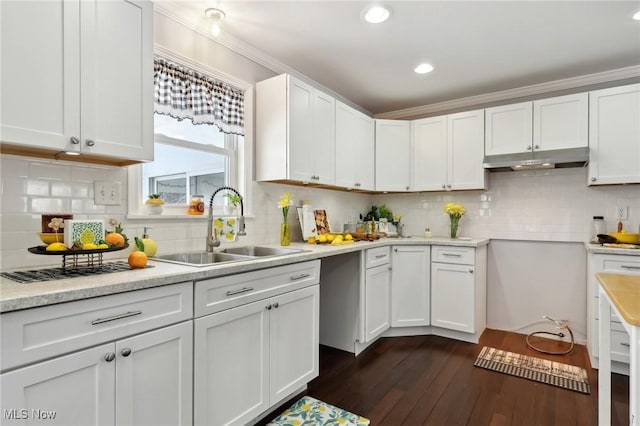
{"x": 520, "y": 92}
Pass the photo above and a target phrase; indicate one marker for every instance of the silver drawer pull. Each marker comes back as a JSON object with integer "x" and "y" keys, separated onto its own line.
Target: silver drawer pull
{"x": 299, "y": 277}
{"x": 452, "y": 254}
{"x": 629, "y": 267}
{"x": 239, "y": 291}
{"x": 115, "y": 317}
{"x": 380, "y": 256}
{"x": 625, "y": 344}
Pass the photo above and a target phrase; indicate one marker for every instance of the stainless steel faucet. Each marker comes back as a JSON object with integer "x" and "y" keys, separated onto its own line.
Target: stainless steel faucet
{"x": 212, "y": 237}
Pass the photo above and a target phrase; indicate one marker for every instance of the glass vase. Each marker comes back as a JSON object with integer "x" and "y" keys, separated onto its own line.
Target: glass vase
{"x": 453, "y": 231}
{"x": 285, "y": 234}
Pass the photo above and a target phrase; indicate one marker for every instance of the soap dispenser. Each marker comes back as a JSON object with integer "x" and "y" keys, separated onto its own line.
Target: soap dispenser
{"x": 150, "y": 246}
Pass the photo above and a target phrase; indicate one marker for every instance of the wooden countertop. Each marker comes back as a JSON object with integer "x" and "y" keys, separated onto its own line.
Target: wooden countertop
{"x": 624, "y": 292}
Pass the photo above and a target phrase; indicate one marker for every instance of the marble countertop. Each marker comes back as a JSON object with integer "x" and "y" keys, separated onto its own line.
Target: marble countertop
{"x": 15, "y": 296}
{"x": 624, "y": 292}
{"x": 599, "y": 249}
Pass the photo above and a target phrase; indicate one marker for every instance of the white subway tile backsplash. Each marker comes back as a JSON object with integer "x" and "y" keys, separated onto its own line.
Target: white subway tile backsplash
{"x": 15, "y": 204}
{"x": 15, "y": 185}
{"x": 51, "y": 171}
{"x": 88, "y": 174}
{"x": 47, "y": 205}
{"x": 61, "y": 189}
{"x": 37, "y": 187}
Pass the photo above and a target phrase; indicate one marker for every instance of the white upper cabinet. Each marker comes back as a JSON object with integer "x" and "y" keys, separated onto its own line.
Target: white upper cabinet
{"x": 355, "y": 149}
{"x": 509, "y": 129}
{"x": 447, "y": 152}
{"x": 295, "y": 132}
{"x": 614, "y": 131}
{"x": 561, "y": 122}
{"x": 393, "y": 146}
{"x": 543, "y": 125}
{"x": 78, "y": 76}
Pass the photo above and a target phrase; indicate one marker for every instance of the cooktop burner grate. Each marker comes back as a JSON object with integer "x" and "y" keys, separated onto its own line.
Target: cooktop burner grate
{"x": 50, "y": 274}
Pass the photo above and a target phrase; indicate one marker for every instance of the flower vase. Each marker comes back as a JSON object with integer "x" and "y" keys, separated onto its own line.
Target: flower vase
{"x": 285, "y": 234}
{"x": 455, "y": 221}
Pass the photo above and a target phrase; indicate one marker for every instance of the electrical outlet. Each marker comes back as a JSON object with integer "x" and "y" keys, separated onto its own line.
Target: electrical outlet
{"x": 622, "y": 213}
{"x": 106, "y": 193}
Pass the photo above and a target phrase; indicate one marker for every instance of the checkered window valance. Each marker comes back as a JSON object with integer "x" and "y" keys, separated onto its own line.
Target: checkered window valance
{"x": 184, "y": 93}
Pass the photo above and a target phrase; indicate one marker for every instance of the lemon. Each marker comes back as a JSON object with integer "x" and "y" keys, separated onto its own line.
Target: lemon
{"x": 330, "y": 238}
{"x": 87, "y": 236}
{"x": 311, "y": 240}
{"x": 348, "y": 237}
{"x": 103, "y": 246}
{"x": 322, "y": 239}
{"x": 89, "y": 246}
{"x": 56, "y": 247}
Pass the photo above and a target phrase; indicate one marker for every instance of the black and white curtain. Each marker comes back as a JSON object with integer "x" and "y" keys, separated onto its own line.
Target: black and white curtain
{"x": 184, "y": 93}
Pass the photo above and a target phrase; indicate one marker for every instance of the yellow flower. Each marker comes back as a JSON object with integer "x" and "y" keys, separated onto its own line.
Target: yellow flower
{"x": 285, "y": 201}
{"x": 306, "y": 407}
{"x": 454, "y": 210}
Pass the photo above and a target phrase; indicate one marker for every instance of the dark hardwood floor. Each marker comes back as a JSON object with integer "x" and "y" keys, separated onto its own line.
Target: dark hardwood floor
{"x": 429, "y": 380}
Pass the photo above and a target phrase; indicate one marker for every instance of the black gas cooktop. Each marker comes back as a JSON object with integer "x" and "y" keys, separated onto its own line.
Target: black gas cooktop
{"x": 50, "y": 274}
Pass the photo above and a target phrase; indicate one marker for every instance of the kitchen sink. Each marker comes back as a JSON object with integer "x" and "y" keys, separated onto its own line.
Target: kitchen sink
{"x": 201, "y": 258}
{"x": 259, "y": 251}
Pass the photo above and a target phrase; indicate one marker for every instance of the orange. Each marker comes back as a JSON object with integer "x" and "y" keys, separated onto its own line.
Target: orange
{"x": 137, "y": 259}
{"x": 114, "y": 239}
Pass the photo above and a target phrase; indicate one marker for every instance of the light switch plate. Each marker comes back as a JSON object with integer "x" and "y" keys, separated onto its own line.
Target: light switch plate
{"x": 106, "y": 193}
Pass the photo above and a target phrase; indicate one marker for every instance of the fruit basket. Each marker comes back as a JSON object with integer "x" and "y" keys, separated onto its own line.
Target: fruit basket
{"x": 73, "y": 260}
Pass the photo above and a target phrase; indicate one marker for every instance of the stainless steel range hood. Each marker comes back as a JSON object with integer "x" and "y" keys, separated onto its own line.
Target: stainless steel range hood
{"x": 559, "y": 158}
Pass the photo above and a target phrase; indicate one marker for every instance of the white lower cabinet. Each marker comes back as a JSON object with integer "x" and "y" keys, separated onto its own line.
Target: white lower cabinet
{"x": 458, "y": 288}
{"x": 142, "y": 380}
{"x": 410, "y": 286}
{"x": 251, "y": 356}
{"x": 375, "y": 305}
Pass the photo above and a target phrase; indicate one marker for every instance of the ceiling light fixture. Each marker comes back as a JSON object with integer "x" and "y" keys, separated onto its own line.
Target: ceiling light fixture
{"x": 215, "y": 15}
{"x": 376, "y": 14}
{"x": 423, "y": 68}
{"x": 636, "y": 16}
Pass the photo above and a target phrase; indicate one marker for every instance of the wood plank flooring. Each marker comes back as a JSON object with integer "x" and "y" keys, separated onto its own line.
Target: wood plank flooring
{"x": 429, "y": 380}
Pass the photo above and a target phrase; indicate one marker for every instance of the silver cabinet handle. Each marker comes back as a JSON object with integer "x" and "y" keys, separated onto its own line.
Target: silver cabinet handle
{"x": 395, "y": 249}
{"x": 630, "y": 267}
{"x": 443, "y": 186}
{"x": 593, "y": 179}
{"x": 528, "y": 147}
{"x": 74, "y": 140}
{"x": 126, "y": 352}
{"x": 536, "y": 147}
{"x": 239, "y": 291}
{"x": 115, "y": 317}
{"x": 109, "y": 357}
{"x": 452, "y": 254}
{"x": 625, "y": 344}
{"x": 268, "y": 307}
{"x": 449, "y": 186}
{"x": 89, "y": 142}
{"x": 407, "y": 188}
{"x": 471, "y": 271}
{"x": 380, "y": 256}
{"x": 275, "y": 305}
{"x": 299, "y": 277}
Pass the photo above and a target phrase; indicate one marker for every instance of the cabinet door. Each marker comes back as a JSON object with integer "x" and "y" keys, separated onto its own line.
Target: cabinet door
{"x": 429, "y": 154}
{"x": 614, "y": 135}
{"x": 377, "y": 315}
{"x": 117, "y": 78}
{"x": 154, "y": 377}
{"x": 294, "y": 345}
{"x": 324, "y": 142}
{"x": 410, "y": 286}
{"x": 465, "y": 139}
{"x": 509, "y": 129}
{"x": 40, "y": 73}
{"x": 347, "y": 155}
{"x": 393, "y": 144}
{"x": 561, "y": 122}
{"x": 453, "y": 296}
{"x": 364, "y": 161}
{"x": 231, "y": 361}
{"x": 77, "y": 389}
{"x": 300, "y": 131}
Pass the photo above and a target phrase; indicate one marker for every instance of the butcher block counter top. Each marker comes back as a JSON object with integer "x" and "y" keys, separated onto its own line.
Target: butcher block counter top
{"x": 624, "y": 292}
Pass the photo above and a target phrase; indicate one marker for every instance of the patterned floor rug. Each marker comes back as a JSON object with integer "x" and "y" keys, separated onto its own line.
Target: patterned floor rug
{"x": 310, "y": 411}
{"x": 540, "y": 370}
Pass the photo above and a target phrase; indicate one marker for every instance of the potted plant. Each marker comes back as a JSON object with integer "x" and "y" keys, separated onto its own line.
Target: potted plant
{"x": 154, "y": 204}
{"x": 234, "y": 202}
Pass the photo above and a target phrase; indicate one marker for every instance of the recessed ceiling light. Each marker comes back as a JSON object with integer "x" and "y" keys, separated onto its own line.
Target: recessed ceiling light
{"x": 215, "y": 16}
{"x": 376, "y": 14}
{"x": 423, "y": 68}
{"x": 636, "y": 16}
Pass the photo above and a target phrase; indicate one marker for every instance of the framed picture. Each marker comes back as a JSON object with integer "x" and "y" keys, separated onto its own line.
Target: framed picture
{"x": 322, "y": 222}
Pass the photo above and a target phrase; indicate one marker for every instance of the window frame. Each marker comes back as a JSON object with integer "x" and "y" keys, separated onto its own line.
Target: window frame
{"x": 243, "y": 176}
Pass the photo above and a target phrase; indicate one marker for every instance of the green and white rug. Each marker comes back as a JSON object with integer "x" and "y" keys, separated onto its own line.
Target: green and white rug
{"x": 310, "y": 411}
{"x": 540, "y": 370}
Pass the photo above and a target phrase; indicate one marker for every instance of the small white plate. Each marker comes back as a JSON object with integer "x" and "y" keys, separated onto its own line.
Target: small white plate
{"x": 464, "y": 238}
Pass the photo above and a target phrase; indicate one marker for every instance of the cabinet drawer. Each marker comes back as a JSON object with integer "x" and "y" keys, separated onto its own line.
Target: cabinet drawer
{"x": 452, "y": 254}
{"x": 619, "y": 342}
{"x": 377, "y": 256}
{"x": 614, "y": 317}
{"x": 40, "y": 333}
{"x": 219, "y": 294}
